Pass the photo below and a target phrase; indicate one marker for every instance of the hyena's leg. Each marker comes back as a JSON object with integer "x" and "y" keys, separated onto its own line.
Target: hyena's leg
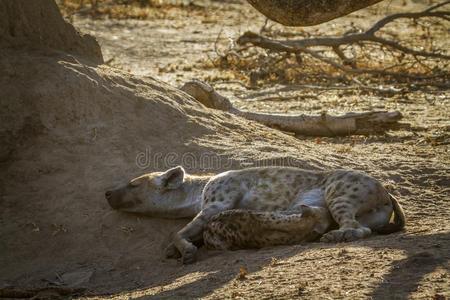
{"x": 242, "y": 229}
{"x": 215, "y": 200}
{"x": 348, "y": 198}
{"x": 194, "y": 232}
{"x": 172, "y": 251}
{"x": 314, "y": 218}
{"x": 343, "y": 209}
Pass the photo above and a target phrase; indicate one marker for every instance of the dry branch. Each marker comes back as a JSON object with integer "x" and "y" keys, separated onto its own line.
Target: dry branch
{"x": 368, "y": 36}
{"x": 323, "y": 125}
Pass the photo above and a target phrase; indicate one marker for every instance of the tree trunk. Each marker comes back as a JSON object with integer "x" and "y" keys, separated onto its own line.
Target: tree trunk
{"x": 307, "y": 12}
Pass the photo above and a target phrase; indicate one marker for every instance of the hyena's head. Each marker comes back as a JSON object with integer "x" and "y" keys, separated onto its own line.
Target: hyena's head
{"x": 318, "y": 216}
{"x": 153, "y": 193}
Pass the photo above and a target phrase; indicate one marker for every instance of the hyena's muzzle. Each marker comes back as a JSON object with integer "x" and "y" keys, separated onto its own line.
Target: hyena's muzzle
{"x": 116, "y": 197}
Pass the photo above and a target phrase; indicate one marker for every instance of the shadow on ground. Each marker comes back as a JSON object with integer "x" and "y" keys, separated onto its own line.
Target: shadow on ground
{"x": 424, "y": 255}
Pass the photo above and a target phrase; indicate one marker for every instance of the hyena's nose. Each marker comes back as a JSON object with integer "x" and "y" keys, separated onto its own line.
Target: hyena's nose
{"x": 108, "y": 194}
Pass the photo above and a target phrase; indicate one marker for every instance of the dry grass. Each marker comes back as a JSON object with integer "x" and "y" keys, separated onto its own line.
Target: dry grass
{"x": 262, "y": 66}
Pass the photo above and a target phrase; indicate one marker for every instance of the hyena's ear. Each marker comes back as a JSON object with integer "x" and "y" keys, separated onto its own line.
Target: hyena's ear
{"x": 172, "y": 178}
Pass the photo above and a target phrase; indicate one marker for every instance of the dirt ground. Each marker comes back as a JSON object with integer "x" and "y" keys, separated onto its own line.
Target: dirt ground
{"x": 118, "y": 256}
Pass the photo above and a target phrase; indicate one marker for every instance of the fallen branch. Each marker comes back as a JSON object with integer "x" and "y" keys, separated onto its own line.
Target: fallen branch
{"x": 368, "y": 36}
{"x": 323, "y": 125}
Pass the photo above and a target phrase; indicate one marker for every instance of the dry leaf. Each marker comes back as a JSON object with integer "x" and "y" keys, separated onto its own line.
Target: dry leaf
{"x": 242, "y": 273}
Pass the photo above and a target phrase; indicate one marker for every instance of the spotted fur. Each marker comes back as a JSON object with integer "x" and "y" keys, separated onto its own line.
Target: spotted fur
{"x": 356, "y": 202}
{"x": 239, "y": 228}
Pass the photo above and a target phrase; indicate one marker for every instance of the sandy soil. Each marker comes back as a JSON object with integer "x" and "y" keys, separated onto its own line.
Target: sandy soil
{"x": 124, "y": 258}
{"x": 413, "y": 264}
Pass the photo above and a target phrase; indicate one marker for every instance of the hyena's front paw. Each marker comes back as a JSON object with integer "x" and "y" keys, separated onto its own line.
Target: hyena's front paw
{"x": 172, "y": 251}
{"x": 346, "y": 235}
{"x": 189, "y": 254}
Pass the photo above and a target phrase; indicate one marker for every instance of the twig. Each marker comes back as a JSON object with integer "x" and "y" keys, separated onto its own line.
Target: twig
{"x": 368, "y": 36}
{"x": 434, "y": 7}
{"x": 216, "y": 48}
{"x": 257, "y": 40}
{"x": 264, "y": 27}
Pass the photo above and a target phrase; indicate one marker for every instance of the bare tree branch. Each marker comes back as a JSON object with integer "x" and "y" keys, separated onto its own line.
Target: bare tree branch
{"x": 260, "y": 41}
{"x": 368, "y": 36}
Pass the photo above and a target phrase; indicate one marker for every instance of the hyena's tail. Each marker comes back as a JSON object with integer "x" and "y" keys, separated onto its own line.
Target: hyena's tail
{"x": 399, "y": 219}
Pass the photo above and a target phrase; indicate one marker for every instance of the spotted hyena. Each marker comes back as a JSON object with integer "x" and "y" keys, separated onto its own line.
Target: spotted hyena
{"x": 358, "y": 203}
{"x": 239, "y": 228}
